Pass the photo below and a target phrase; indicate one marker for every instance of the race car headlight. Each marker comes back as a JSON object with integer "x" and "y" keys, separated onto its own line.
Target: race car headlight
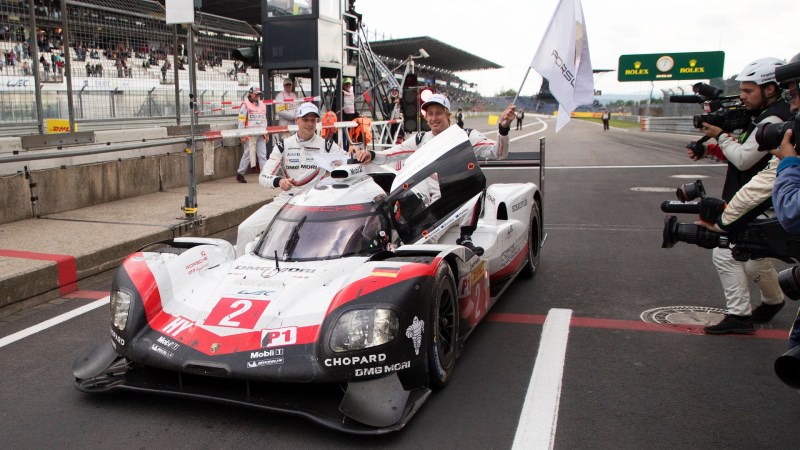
{"x": 120, "y": 306}
{"x": 363, "y": 328}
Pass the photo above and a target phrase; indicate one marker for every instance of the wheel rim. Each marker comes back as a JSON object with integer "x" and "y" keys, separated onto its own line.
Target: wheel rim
{"x": 446, "y": 330}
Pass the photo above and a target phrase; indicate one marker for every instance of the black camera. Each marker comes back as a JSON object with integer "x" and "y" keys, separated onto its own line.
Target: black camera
{"x": 691, "y": 191}
{"x": 729, "y": 117}
{"x": 726, "y": 112}
{"x": 789, "y": 280}
{"x": 770, "y": 135}
{"x": 763, "y": 238}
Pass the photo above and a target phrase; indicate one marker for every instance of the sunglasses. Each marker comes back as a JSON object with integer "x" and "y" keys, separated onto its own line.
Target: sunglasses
{"x": 790, "y": 94}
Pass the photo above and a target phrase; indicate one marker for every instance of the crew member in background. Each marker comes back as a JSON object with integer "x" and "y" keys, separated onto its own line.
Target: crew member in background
{"x": 286, "y": 111}
{"x": 520, "y": 114}
{"x": 438, "y": 115}
{"x": 348, "y": 100}
{"x": 606, "y": 118}
{"x": 391, "y": 104}
{"x": 252, "y": 113}
{"x": 761, "y": 95}
{"x": 292, "y": 168}
{"x": 460, "y": 117}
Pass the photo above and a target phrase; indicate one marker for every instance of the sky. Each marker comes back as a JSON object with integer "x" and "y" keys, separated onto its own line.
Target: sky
{"x": 508, "y": 32}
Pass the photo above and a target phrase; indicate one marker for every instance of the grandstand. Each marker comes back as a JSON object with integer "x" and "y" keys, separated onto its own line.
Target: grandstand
{"x": 125, "y": 61}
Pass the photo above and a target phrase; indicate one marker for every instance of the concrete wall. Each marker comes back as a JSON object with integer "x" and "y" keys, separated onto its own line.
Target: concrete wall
{"x": 76, "y": 186}
{"x": 15, "y": 193}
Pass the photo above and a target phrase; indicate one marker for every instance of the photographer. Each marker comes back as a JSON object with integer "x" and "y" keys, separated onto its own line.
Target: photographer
{"x": 747, "y": 198}
{"x": 786, "y": 194}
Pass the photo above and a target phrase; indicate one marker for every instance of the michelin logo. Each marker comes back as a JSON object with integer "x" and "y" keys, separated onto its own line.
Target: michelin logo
{"x": 414, "y": 332}
{"x": 264, "y": 362}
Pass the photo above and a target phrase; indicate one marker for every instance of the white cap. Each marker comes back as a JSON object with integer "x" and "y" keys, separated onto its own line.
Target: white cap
{"x": 287, "y": 81}
{"x": 439, "y": 99}
{"x": 306, "y": 108}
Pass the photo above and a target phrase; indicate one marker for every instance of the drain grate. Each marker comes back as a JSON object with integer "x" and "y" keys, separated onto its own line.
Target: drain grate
{"x": 683, "y": 315}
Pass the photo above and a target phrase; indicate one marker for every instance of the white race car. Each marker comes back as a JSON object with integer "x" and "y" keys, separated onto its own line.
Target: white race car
{"x": 345, "y": 312}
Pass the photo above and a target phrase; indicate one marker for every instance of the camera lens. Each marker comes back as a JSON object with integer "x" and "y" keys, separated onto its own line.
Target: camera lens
{"x": 789, "y": 280}
{"x": 691, "y": 191}
{"x": 770, "y": 135}
{"x": 689, "y": 233}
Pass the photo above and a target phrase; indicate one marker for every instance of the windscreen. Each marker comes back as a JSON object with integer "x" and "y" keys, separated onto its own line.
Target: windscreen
{"x": 307, "y": 233}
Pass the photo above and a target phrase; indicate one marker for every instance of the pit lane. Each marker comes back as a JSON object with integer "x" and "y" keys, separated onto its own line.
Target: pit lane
{"x": 625, "y": 383}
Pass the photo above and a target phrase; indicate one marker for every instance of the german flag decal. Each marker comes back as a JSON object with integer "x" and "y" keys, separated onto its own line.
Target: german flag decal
{"x": 390, "y": 272}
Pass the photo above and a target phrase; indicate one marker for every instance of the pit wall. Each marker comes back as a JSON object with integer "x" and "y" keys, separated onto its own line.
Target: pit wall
{"x": 42, "y": 187}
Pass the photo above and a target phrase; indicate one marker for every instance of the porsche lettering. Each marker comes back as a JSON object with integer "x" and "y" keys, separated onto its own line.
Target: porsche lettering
{"x": 519, "y": 205}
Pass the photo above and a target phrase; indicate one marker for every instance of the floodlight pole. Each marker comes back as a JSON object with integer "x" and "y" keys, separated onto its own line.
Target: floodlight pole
{"x": 36, "y": 65}
{"x": 190, "y": 206}
{"x": 67, "y": 66}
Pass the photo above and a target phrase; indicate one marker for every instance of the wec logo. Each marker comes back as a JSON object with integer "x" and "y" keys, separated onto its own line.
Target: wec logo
{"x": 22, "y": 82}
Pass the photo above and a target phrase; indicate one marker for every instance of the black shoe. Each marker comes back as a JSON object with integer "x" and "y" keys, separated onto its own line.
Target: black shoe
{"x": 466, "y": 241}
{"x": 732, "y": 324}
{"x": 240, "y": 178}
{"x": 765, "y": 312}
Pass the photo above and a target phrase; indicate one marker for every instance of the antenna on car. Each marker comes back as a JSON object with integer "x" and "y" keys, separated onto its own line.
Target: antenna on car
{"x": 276, "y": 261}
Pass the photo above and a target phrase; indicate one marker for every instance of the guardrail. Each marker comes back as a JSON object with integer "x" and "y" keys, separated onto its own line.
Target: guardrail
{"x": 682, "y": 125}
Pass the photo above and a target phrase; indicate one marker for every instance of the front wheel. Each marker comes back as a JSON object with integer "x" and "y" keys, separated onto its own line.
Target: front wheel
{"x": 443, "y": 338}
{"x": 534, "y": 242}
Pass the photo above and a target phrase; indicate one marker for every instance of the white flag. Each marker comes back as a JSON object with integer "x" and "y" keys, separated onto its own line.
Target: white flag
{"x": 563, "y": 59}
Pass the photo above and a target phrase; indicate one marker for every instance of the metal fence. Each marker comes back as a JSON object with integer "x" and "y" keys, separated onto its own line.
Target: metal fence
{"x": 120, "y": 61}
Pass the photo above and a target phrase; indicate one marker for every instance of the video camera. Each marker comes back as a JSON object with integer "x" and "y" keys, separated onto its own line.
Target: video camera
{"x": 763, "y": 238}
{"x": 726, "y": 112}
{"x": 770, "y": 135}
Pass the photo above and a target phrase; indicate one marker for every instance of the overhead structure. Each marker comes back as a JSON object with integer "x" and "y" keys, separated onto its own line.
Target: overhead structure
{"x": 442, "y": 56}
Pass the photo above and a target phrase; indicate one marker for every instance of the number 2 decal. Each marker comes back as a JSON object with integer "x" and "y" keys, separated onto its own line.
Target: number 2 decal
{"x": 236, "y": 312}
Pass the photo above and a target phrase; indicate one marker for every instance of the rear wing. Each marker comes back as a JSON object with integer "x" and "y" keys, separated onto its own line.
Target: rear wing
{"x": 523, "y": 160}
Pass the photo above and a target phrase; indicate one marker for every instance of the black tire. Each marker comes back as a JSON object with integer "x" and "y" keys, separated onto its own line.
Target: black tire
{"x": 534, "y": 243}
{"x": 443, "y": 336}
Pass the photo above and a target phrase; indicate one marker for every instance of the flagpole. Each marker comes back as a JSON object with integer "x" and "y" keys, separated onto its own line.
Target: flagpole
{"x": 520, "y": 86}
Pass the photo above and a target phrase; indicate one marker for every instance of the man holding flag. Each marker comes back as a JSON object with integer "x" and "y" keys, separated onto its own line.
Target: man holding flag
{"x": 563, "y": 59}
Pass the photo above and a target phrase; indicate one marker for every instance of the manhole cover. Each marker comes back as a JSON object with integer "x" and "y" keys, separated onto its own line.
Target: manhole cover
{"x": 693, "y": 177}
{"x": 653, "y": 189}
{"x": 683, "y": 315}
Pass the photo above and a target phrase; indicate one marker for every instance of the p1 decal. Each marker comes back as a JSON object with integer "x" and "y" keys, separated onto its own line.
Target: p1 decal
{"x": 278, "y": 337}
{"x": 236, "y": 312}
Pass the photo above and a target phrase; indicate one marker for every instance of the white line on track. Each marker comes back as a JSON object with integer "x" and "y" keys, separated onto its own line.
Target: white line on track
{"x": 10, "y": 339}
{"x": 537, "y": 422}
{"x": 538, "y": 122}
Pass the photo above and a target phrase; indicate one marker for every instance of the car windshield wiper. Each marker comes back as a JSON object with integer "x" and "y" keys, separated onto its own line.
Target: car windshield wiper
{"x": 294, "y": 237}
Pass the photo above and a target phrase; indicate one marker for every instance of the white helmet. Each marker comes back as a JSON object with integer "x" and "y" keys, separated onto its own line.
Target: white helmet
{"x": 760, "y": 71}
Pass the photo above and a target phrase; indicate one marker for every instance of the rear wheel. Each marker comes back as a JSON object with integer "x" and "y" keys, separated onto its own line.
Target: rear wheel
{"x": 534, "y": 242}
{"x": 443, "y": 338}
